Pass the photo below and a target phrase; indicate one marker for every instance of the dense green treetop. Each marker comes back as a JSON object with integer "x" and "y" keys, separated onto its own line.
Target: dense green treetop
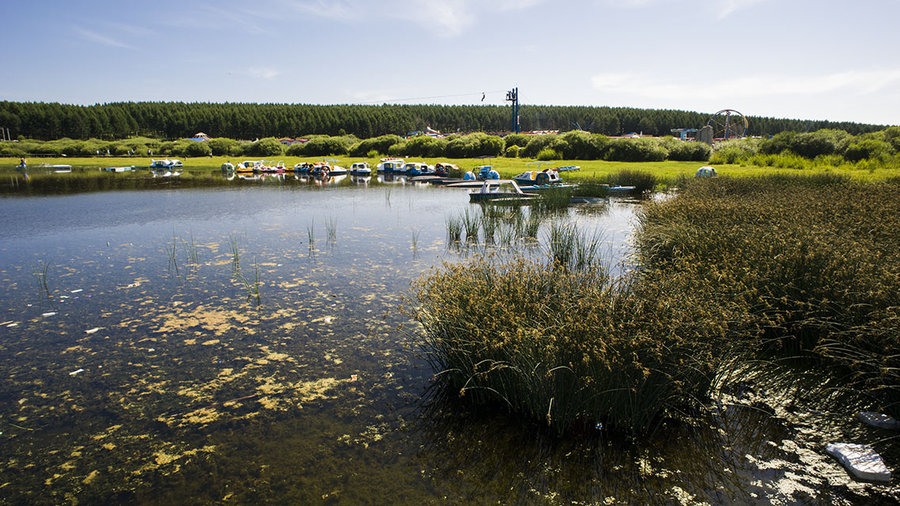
{"x": 170, "y": 120}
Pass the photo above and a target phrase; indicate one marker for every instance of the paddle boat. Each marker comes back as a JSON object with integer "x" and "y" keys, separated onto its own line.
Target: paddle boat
{"x": 706, "y": 171}
{"x": 248, "y": 166}
{"x": 568, "y": 168}
{"x": 390, "y": 165}
{"x": 485, "y": 172}
{"x": 444, "y": 169}
{"x": 415, "y": 169}
{"x": 494, "y": 190}
{"x": 360, "y": 169}
{"x": 538, "y": 177}
{"x": 165, "y": 164}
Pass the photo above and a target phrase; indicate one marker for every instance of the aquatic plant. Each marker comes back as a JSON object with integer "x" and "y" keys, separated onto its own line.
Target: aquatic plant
{"x": 569, "y": 347}
{"x": 471, "y": 224}
{"x": 641, "y": 180}
{"x": 569, "y": 248}
{"x": 41, "y": 273}
{"x": 454, "y": 229}
{"x": 813, "y": 261}
{"x": 415, "y": 240}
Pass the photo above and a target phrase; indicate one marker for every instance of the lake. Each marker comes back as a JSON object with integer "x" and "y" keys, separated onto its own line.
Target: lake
{"x": 253, "y": 344}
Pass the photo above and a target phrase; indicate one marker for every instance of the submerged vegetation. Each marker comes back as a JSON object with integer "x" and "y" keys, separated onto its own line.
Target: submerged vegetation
{"x": 732, "y": 272}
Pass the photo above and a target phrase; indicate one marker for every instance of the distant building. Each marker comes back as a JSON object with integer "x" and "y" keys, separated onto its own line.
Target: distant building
{"x": 199, "y": 137}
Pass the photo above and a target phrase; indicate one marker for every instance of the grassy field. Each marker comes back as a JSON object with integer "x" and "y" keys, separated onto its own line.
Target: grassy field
{"x": 665, "y": 172}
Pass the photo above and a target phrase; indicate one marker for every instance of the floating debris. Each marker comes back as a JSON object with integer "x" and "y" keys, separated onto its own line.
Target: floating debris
{"x": 93, "y": 330}
{"x": 76, "y": 371}
{"x": 860, "y": 460}
{"x": 880, "y": 420}
{"x": 79, "y": 290}
{"x": 51, "y": 313}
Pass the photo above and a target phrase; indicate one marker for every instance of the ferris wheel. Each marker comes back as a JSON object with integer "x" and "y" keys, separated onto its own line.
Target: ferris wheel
{"x": 728, "y": 124}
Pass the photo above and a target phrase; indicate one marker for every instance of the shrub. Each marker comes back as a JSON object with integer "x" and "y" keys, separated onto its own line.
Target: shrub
{"x": 549, "y": 154}
{"x": 268, "y": 146}
{"x": 221, "y": 146}
{"x": 325, "y": 145}
{"x": 195, "y": 148}
{"x": 635, "y": 150}
{"x": 689, "y": 151}
{"x": 381, "y": 145}
{"x": 512, "y": 151}
{"x": 426, "y": 146}
{"x": 735, "y": 151}
{"x": 581, "y": 145}
{"x": 867, "y": 149}
{"x": 398, "y": 149}
{"x": 535, "y": 144}
{"x": 473, "y": 145}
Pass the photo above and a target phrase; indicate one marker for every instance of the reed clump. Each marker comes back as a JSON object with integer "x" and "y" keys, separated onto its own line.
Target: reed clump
{"x": 568, "y": 346}
{"x": 814, "y": 262}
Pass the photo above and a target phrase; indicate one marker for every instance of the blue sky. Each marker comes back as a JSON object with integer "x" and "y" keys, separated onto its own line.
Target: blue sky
{"x": 783, "y": 58}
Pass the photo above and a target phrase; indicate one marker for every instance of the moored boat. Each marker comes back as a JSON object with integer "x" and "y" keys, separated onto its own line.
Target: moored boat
{"x": 390, "y": 165}
{"x": 485, "y": 172}
{"x": 360, "y": 169}
{"x": 165, "y": 163}
{"x": 538, "y": 177}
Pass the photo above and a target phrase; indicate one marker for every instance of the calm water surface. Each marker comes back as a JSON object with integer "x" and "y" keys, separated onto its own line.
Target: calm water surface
{"x": 139, "y": 365}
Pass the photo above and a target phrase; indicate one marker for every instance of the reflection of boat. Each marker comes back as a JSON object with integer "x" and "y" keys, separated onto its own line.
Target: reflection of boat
{"x": 389, "y": 177}
{"x": 538, "y": 177}
{"x": 390, "y": 165}
{"x": 360, "y": 179}
{"x": 360, "y": 169}
{"x": 165, "y": 173}
{"x": 499, "y": 189}
{"x": 165, "y": 164}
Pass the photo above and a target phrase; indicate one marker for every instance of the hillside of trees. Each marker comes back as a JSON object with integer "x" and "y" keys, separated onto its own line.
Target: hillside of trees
{"x": 173, "y": 120}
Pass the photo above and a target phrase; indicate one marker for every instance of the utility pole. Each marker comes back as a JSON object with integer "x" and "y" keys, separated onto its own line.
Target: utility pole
{"x": 513, "y": 96}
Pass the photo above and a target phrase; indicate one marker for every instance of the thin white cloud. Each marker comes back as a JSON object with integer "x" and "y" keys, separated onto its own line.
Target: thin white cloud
{"x": 263, "y": 72}
{"x": 657, "y": 87}
{"x": 340, "y": 9}
{"x": 92, "y": 36}
{"x": 445, "y": 18}
{"x": 725, "y": 8}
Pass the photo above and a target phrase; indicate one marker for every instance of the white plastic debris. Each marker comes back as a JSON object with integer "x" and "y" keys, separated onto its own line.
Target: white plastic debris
{"x": 76, "y": 371}
{"x": 51, "y": 313}
{"x": 880, "y": 420}
{"x": 11, "y": 325}
{"x": 77, "y": 291}
{"x": 93, "y": 330}
{"x": 860, "y": 460}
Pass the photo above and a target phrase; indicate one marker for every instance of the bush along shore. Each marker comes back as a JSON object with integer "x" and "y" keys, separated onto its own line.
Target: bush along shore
{"x": 870, "y": 150}
{"x": 732, "y": 272}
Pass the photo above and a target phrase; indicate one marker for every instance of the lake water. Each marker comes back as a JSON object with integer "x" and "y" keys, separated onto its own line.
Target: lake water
{"x": 252, "y": 344}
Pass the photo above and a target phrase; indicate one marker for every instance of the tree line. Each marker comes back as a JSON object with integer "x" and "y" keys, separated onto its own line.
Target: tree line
{"x": 173, "y": 120}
